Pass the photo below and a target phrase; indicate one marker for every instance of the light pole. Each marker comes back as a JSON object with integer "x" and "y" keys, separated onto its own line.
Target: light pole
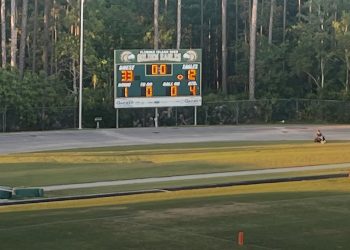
{"x": 81, "y": 62}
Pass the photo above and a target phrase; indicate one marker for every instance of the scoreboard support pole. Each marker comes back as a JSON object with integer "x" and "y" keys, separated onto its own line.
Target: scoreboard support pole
{"x": 195, "y": 115}
{"x": 117, "y": 118}
{"x": 156, "y": 117}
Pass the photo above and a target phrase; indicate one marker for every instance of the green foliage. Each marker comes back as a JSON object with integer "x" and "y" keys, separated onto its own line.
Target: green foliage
{"x": 312, "y": 62}
{"x": 98, "y": 103}
{"x": 272, "y": 73}
{"x": 32, "y": 101}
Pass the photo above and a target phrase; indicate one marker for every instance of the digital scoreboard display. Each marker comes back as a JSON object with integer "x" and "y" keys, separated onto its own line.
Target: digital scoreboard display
{"x": 157, "y": 78}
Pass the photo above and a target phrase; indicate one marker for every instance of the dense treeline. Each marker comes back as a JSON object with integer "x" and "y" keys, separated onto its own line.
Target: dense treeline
{"x": 302, "y": 48}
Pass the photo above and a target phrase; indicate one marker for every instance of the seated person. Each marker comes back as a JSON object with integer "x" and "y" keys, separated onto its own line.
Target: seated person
{"x": 319, "y": 137}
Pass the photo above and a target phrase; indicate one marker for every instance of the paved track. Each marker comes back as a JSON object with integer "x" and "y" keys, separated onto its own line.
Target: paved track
{"x": 195, "y": 177}
{"x": 66, "y": 139}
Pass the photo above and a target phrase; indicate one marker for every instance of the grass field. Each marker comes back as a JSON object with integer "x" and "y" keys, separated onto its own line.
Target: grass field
{"x": 295, "y": 215}
{"x": 119, "y": 163}
{"x": 301, "y": 215}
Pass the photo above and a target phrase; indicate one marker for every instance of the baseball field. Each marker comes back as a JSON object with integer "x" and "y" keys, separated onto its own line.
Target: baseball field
{"x": 289, "y": 215}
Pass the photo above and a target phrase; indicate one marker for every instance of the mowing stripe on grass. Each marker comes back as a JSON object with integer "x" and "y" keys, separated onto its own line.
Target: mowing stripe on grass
{"x": 193, "y": 177}
{"x": 298, "y": 155}
{"x": 339, "y": 185}
{"x": 170, "y": 189}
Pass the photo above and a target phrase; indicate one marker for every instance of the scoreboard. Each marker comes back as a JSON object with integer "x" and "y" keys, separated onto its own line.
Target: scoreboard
{"x": 157, "y": 78}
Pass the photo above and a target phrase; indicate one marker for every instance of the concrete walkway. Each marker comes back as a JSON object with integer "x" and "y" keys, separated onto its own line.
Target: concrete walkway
{"x": 68, "y": 139}
{"x": 195, "y": 177}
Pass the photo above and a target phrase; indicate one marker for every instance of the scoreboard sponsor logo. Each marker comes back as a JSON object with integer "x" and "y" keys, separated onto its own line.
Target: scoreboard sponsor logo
{"x": 158, "y": 102}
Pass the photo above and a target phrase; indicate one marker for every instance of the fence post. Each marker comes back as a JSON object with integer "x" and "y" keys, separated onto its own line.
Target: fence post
{"x": 297, "y": 108}
{"x": 237, "y": 112}
{"x": 2, "y": 120}
{"x": 4, "y": 113}
{"x": 117, "y": 118}
{"x": 176, "y": 116}
{"x": 206, "y": 108}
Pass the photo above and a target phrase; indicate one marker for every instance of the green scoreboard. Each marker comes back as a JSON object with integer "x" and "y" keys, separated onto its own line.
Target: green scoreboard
{"x": 157, "y": 78}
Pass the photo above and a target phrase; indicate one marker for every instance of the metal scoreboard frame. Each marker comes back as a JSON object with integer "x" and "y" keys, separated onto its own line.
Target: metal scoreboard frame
{"x": 157, "y": 78}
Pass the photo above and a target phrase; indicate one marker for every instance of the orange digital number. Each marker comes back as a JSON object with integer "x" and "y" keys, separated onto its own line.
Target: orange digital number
{"x": 127, "y": 75}
{"x": 149, "y": 91}
{"x": 158, "y": 69}
{"x": 162, "y": 70}
{"x": 191, "y": 74}
{"x": 193, "y": 90}
{"x": 154, "y": 69}
{"x": 173, "y": 91}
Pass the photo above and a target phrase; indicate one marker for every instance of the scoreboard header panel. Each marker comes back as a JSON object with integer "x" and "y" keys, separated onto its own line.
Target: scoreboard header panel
{"x": 157, "y": 78}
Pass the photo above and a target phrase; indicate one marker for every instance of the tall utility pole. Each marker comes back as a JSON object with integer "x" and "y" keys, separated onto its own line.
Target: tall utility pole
{"x": 13, "y": 34}
{"x": 35, "y": 32}
{"x": 224, "y": 47}
{"x": 3, "y": 33}
{"x": 252, "y": 45}
{"x": 81, "y": 63}
{"x": 272, "y": 7}
{"x": 156, "y": 26}
{"x": 22, "y": 45}
{"x": 202, "y": 20}
{"x": 46, "y": 46}
{"x": 284, "y": 19}
{"x": 178, "y": 40}
{"x": 156, "y": 46}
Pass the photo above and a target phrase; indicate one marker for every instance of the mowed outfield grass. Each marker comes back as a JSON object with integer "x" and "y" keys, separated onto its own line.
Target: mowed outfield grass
{"x": 119, "y": 163}
{"x": 297, "y": 215}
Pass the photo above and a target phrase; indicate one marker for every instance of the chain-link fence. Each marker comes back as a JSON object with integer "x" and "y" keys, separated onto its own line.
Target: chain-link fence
{"x": 273, "y": 111}
{"x": 243, "y": 112}
{"x": 211, "y": 113}
{"x": 30, "y": 119}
